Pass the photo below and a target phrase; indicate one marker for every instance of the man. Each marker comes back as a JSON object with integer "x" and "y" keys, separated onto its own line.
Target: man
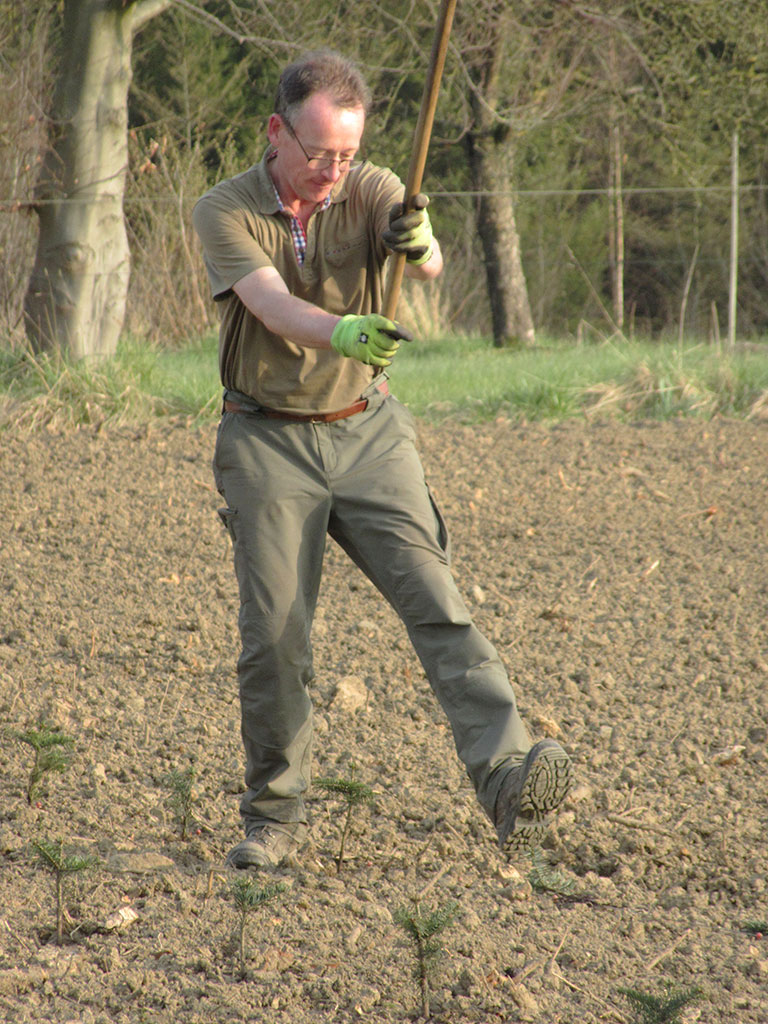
{"x": 310, "y": 444}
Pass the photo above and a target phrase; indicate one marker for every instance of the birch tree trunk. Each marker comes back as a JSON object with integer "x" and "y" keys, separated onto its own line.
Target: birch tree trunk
{"x": 75, "y": 301}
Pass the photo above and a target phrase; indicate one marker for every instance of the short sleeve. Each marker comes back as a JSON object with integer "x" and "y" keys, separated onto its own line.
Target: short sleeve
{"x": 230, "y": 249}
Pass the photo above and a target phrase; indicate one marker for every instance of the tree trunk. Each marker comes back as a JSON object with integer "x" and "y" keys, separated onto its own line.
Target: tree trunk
{"x": 507, "y": 289}
{"x": 75, "y": 301}
{"x": 490, "y": 161}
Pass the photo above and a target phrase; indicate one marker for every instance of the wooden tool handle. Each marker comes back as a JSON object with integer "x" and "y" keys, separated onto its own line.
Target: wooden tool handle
{"x": 421, "y": 144}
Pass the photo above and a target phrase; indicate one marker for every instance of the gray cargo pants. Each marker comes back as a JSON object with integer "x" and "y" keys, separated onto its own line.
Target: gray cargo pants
{"x": 287, "y": 485}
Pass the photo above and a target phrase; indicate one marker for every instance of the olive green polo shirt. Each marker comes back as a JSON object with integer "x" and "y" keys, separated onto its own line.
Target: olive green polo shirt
{"x": 242, "y": 229}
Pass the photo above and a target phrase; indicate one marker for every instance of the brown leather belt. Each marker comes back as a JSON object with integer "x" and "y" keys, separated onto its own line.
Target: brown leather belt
{"x": 314, "y": 417}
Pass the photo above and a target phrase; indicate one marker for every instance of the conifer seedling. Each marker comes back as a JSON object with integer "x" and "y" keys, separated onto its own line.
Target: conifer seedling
{"x": 666, "y": 1009}
{"x": 425, "y": 928}
{"x": 181, "y": 784}
{"x": 545, "y": 878}
{"x": 53, "y": 753}
{"x": 354, "y": 793}
{"x": 60, "y": 864}
{"x": 248, "y": 897}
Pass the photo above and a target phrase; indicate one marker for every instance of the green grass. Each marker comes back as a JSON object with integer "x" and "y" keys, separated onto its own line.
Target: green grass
{"x": 142, "y": 381}
{"x": 472, "y": 380}
{"x": 465, "y": 378}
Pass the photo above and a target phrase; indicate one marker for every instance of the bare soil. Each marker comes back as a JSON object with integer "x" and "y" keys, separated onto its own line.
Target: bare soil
{"x": 622, "y": 571}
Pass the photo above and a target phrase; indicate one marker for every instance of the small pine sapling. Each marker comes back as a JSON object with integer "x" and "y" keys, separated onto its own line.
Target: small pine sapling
{"x": 354, "y": 793}
{"x": 60, "y": 864}
{"x": 545, "y": 878}
{"x": 182, "y": 786}
{"x": 53, "y": 753}
{"x": 425, "y": 930}
{"x": 650, "y": 1009}
{"x": 249, "y": 896}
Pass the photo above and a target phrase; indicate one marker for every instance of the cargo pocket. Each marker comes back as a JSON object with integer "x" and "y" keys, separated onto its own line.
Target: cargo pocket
{"x": 228, "y": 516}
{"x": 443, "y": 537}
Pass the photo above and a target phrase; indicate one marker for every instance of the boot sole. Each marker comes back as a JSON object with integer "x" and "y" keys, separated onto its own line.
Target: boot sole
{"x": 545, "y": 787}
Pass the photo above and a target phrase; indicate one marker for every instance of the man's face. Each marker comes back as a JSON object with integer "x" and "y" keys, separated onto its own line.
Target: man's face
{"x": 318, "y": 129}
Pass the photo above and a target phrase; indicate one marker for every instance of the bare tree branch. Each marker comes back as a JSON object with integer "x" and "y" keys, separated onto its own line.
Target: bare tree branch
{"x": 201, "y": 15}
{"x": 143, "y": 11}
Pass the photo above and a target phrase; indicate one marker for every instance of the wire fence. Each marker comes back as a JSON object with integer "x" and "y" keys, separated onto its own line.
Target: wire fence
{"x": 15, "y": 204}
{"x": 565, "y": 255}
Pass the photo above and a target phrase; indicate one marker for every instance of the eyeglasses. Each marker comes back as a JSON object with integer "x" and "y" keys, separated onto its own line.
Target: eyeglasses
{"x": 320, "y": 163}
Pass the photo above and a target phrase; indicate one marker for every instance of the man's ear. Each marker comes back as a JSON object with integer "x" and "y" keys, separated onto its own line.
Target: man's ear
{"x": 275, "y": 127}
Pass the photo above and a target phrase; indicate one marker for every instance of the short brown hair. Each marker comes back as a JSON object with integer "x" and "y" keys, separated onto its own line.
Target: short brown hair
{"x": 321, "y": 71}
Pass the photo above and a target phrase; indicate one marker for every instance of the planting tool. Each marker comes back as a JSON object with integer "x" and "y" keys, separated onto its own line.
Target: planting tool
{"x": 421, "y": 143}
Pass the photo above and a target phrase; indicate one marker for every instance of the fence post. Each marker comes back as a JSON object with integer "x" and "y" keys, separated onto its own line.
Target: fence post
{"x": 732, "y": 287}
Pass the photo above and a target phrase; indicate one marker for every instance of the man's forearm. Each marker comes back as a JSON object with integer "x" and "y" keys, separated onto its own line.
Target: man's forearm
{"x": 282, "y": 313}
{"x": 299, "y": 321}
{"x": 429, "y": 270}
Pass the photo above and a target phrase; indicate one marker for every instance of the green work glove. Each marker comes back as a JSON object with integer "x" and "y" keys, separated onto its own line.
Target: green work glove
{"x": 410, "y": 232}
{"x": 371, "y": 338}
